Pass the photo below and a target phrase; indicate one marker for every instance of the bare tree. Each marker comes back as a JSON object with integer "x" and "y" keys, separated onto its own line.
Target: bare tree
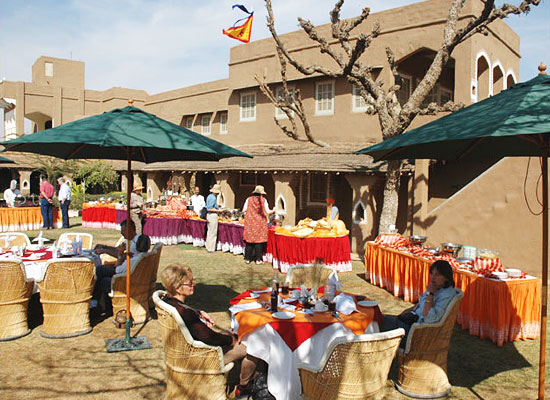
{"x": 393, "y": 117}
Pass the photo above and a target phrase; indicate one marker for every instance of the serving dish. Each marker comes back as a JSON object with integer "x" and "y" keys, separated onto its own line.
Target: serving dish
{"x": 513, "y": 272}
{"x": 417, "y": 239}
{"x": 499, "y": 275}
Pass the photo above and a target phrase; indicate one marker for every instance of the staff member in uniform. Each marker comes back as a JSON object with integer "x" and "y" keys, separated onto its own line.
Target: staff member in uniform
{"x": 64, "y": 197}
{"x": 136, "y": 205}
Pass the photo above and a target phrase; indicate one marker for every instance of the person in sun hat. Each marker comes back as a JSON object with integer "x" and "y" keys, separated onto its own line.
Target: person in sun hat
{"x": 212, "y": 218}
{"x": 256, "y": 211}
{"x": 136, "y": 205}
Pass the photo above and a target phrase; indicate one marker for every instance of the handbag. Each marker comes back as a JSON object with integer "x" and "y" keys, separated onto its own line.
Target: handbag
{"x": 408, "y": 317}
{"x": 204, "y": 211}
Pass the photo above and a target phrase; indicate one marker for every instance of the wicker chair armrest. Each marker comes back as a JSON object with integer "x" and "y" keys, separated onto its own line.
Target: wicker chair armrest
{"x": 228, "y": 367}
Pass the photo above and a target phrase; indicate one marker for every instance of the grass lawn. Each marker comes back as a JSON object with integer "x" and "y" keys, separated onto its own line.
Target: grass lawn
{"x": 79, "y": 368}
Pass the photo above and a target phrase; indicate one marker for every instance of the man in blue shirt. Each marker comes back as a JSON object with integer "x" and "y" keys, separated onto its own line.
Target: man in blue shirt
{"x": 212, "y": 218}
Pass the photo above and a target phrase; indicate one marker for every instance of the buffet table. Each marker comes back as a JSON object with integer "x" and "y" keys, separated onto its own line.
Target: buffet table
{"x": 304, "y": 338}
{"x": 13, "y": 219}
{"x": 105, "y": 216}
{"x": 170, "y": 231}
{"x": 500, "y": 310}
{"x": 285, "y": 251}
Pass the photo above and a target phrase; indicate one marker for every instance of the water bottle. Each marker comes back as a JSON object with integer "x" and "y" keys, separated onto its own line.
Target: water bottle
{"x": 274, "y": 293}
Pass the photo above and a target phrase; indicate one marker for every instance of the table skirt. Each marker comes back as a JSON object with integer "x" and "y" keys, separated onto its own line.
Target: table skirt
{"x": 14, "y": 219}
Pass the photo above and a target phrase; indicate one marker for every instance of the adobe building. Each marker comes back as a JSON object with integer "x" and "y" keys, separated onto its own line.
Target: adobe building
{"x": 478, "y": 203}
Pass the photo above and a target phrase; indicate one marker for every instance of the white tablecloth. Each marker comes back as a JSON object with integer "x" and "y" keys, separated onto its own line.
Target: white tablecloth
{"x": 283, "y": 379}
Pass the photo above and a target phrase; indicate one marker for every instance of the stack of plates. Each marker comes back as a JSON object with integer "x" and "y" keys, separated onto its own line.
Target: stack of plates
{"x": 513, "y": 273}
{"x": 500, "y": 275}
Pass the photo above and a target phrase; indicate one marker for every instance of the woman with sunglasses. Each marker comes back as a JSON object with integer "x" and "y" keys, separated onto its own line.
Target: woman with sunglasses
{"x": 179, "y": 283}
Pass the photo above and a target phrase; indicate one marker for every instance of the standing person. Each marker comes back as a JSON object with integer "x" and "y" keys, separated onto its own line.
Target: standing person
{"x": 64, "y": 198}
{"x": 212, "y": 218}
{"x": 46, "y": 203}
{"x": 11, "y": 193}
{"x": 197, "y": 200}
{"x": 255, "y": 225}
{"x": 136, "y": 205}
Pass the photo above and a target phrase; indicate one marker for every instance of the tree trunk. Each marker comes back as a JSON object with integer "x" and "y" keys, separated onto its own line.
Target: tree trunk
{"x": 391, "y": 196}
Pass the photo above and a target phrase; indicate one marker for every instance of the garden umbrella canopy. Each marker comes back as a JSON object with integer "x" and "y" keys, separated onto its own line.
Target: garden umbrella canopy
{"x": 499, "y": 126}
{"x": 4, "y": 160}
{"x": 124, "y": 134}
{"x": 515, "y": 122}
{"x": 102, "y": 137}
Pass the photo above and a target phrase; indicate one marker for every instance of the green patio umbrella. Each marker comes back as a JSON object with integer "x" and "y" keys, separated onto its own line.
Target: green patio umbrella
{"x": 124, "y": 134}
{"x": 515, "y": 122}
{"x": 4, "y": 160}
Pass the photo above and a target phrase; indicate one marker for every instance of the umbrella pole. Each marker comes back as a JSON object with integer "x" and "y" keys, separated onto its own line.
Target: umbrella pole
{"x": 128, "y": 343}
{"x": 544, "y": 295}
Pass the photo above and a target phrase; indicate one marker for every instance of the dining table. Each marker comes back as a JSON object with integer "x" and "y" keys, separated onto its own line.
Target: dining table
{"x": 284, "y": 251}
{"x": 501, "y": 310}
{"x": 295, "y": 335}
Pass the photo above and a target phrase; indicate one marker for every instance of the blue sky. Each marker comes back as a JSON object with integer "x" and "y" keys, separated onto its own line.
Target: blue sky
{"x": 167, "y": 44}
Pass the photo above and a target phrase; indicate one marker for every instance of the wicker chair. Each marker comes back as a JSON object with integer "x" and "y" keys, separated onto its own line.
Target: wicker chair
{"x": 67, "y": 238}
{"x": 15, "y": 238}
{"x": 15, "y": 293}
{"x": 194, "y": 370}
{"x": 65, "y": 294}
{"x": 423, "y": 362}
{"x": 354, "y": 368}
{"x": 304, "y": 275}
{"x": 141, "y": 277}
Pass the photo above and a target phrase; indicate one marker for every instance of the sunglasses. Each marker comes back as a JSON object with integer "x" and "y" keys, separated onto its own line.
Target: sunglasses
{"x": 192, "y": 283}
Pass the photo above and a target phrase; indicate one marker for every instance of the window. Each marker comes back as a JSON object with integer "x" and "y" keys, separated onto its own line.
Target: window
{"x": 205, "y": 124}
{"x": 359, "y": 213}
{"x": 223, "y": 123}
{"x": 405, "y": 90}
{"x": 324, "y": 98}
{"x": 189, "y": 123}
{"x": 279, "y": 94}
{"x": 318, "y": 188}
{"x": 48, "y": 69}
{"x": 249, "y": 179}
{"x": 359, "y": 103}
{"x": 248, "y": 106}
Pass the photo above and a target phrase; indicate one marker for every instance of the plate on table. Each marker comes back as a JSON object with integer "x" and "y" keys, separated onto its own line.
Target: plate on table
{"x": 499, "y": 275}
{"x": 252, "y": 296}
{"x": 283, "y": 315}
{"x": 367, "y": 303}
{"x": 513, "y": 272}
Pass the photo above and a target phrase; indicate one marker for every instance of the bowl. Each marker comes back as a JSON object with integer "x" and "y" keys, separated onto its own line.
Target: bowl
{"x": 513, "y": 272}
{"x": 487, "y": 254}
{"x": 417, "y": 239}
{"x": 451, "y": 248}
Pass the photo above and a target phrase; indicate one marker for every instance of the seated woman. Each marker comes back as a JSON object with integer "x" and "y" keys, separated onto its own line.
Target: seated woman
{"x": 179, "y": 283}
{"x": 432, "y": 304}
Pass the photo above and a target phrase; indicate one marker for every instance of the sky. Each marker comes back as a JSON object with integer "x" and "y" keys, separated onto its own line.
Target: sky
{"x": 168, "y": 44}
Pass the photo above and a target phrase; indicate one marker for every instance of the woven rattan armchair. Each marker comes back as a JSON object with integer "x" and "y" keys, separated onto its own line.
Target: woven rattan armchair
{"x": 355, "y": 368}
{"x": 66, "y": 239}
{"x": 140, "y": 291}
{"x": 15, "y": 293}
{"x": 422, "y": 369}
{"x": 305, "y": 275}
{"x": 15, "y": 239}
{"x": 194, "y": 370}
{"x": 65, "y": 294}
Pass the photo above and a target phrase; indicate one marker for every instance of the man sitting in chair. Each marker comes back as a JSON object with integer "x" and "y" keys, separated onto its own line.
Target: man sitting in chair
{"x": 139, "y": 244}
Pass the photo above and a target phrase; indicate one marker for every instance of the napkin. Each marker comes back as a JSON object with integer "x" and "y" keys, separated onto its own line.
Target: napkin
{"x": 287, "y": 307}
{"x": 243, "y": 307}
{"x": 345, "y": 304}
{"x": 333, "y": 279}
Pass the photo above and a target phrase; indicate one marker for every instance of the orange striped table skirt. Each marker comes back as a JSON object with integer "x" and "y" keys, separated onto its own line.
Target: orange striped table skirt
{"x": 502, "y": 311}
{"x": 15, "y": 219}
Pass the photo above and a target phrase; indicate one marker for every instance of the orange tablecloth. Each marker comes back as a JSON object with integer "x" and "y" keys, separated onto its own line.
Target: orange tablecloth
{"x": 13, "y": 219}
{"x": 302, "y": 326}
{"x": 502, "y": 311}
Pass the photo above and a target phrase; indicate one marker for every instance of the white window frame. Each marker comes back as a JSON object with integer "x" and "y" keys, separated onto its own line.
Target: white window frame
{"x": 223, "y": 124}
{"x": 318, "y": 101}
{"x": 356, "y": 96}
{"x": 206, "y": 129}
{"x": 279, "y": 113}
{"x": 48, "y": 69}
{"x": 246, "y": 107}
